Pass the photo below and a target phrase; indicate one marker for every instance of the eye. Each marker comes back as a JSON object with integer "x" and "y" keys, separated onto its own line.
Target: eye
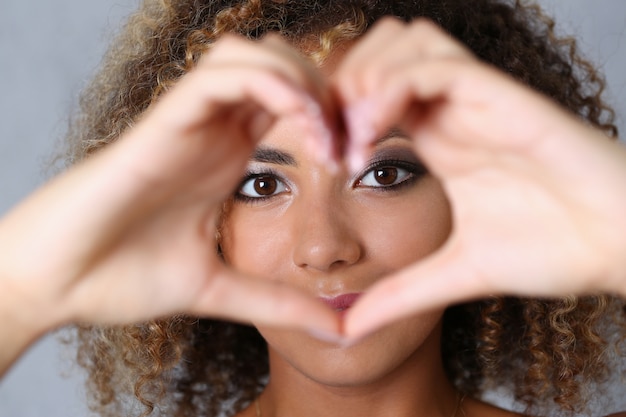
{"x": 261, "y": 186}
{"x": 384, "y": 176}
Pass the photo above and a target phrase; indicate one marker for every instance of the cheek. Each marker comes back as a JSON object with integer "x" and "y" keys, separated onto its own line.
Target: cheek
{"x": 254, "y": 242}
{"x": 412, "y": 227}
{"x": 395, "y": 232}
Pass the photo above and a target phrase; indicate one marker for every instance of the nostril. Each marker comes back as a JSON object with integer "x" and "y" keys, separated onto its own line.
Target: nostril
{"x": 328, "y": 256}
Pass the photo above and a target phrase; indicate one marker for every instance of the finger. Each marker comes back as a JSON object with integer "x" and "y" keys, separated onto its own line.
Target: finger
{"x": 323, "y": 111}
{"x": 370, "y": 73}
{"x": 164, "y": 150}
{"x": 399, "y": 45}
{"x": 271, "y": 53}
{"x": 177, "y": 135}
{"x": 425, "y": 85}
{"x": 364, "y": 54}
{"x": 435, "y": 283}
{"x": 350, "y": 90}
{"x": 312, "y": 77}
{"x": 206, "y": 90}
{"x": 276, "y": 55}
{"x": 236, "y": 297}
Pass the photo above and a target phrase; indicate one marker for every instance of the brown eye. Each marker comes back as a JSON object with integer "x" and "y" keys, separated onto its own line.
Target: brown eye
{"x": 386, "y": 175}
{"x": 265, "y": 185}
{"x": 261, "y": 186}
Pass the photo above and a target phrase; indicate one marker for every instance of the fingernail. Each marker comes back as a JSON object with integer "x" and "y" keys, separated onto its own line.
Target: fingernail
{"x": 326, "y": 154}
{"x": 313, "y": 141}
{"x": 359, "y": 122}
{"x": 328, "y": 336}
{"x": 321, "y": 135}
{"x": 361, "y": 133}
{"x": 356, "y": 159}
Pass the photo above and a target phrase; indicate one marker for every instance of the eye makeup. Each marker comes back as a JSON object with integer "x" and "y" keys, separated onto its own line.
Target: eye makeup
{"x": 265, "y": 182}
{"x": 390, "y": 169}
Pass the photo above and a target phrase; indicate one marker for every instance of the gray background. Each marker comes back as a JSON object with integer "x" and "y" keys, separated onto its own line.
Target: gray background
{"x": 49, "y": 49}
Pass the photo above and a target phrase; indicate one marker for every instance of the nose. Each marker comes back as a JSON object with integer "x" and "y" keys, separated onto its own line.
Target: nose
{"x": 326, "y": 237}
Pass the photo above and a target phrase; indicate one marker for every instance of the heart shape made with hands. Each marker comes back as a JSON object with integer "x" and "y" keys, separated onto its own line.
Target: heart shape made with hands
{"x": 139, "y": 208}
{"x": 504, "y": 178}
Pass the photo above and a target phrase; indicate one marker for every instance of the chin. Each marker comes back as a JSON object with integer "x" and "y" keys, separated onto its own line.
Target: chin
{"x": 371, "y": 360}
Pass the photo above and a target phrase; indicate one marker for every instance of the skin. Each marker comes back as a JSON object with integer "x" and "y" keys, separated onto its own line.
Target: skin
{"x": 126, "y": 206}
{"x": 329, "y": 233}
{"x": 166, "y": 180}
{"x": 504, "y": 183}
{"x": 338, "y": 234}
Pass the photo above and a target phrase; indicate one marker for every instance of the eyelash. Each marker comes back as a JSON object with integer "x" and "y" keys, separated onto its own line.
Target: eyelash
{"x": 414, "y": 172}
{"x": 249, "y": 176}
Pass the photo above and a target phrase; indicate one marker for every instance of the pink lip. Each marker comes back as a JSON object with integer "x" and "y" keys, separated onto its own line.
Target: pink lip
{"x": 341, "y": 302}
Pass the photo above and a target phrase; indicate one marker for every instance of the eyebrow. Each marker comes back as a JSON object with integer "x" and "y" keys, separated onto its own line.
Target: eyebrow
{"x": 273, "y": 156}
{"x": 278, "y": 157}
{"x": 392, "y": 133}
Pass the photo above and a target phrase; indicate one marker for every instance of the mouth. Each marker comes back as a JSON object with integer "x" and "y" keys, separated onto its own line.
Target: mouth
{"x": 341, "y": 303}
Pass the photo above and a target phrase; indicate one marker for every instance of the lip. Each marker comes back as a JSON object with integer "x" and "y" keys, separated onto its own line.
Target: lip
{"x": 341, "y": 302}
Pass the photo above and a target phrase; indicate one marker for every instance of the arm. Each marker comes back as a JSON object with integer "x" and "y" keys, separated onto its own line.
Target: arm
{"x": 537, "y": 196}
{"x": 17, "y": 332}
{"x": 129, "y": 234}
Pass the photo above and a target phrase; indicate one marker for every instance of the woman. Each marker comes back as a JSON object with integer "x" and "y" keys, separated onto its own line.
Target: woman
{"x": 162, "y": 234}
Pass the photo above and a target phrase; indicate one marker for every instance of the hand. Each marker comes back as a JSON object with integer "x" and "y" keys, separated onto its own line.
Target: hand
{"x": 130, "y": 234}
{"x": 537, "y": 197}
{"x": 146, "y": 248}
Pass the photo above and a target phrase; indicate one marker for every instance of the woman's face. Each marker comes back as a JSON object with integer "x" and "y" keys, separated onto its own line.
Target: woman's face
{"x": 295, "y": 223}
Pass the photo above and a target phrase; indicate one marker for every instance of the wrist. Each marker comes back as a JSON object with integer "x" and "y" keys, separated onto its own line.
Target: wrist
{"x": 19, "y": 326}
{"x": 620, "y": 287}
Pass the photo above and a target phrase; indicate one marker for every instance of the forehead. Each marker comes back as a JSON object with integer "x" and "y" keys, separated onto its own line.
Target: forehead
{"x": 325, "y": 58}
{"x": 291, "y": 132}
{"x": 290, "y": 135}
{"x": 334, "y": 58}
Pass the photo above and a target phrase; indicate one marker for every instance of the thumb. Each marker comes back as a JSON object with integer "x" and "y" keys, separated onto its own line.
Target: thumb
{"x": 241, "y": 298}
{"x": 437, "y": 281}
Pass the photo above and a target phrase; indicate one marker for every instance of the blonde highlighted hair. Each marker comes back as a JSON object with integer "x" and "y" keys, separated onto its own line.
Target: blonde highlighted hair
{"x": 546, "y": 350}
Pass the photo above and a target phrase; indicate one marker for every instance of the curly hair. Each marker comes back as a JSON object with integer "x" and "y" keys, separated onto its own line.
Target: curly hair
{"x": 546, "y": 350}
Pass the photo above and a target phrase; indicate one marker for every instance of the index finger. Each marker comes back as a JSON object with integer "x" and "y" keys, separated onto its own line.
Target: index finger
{"x": 237, "y": 297}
